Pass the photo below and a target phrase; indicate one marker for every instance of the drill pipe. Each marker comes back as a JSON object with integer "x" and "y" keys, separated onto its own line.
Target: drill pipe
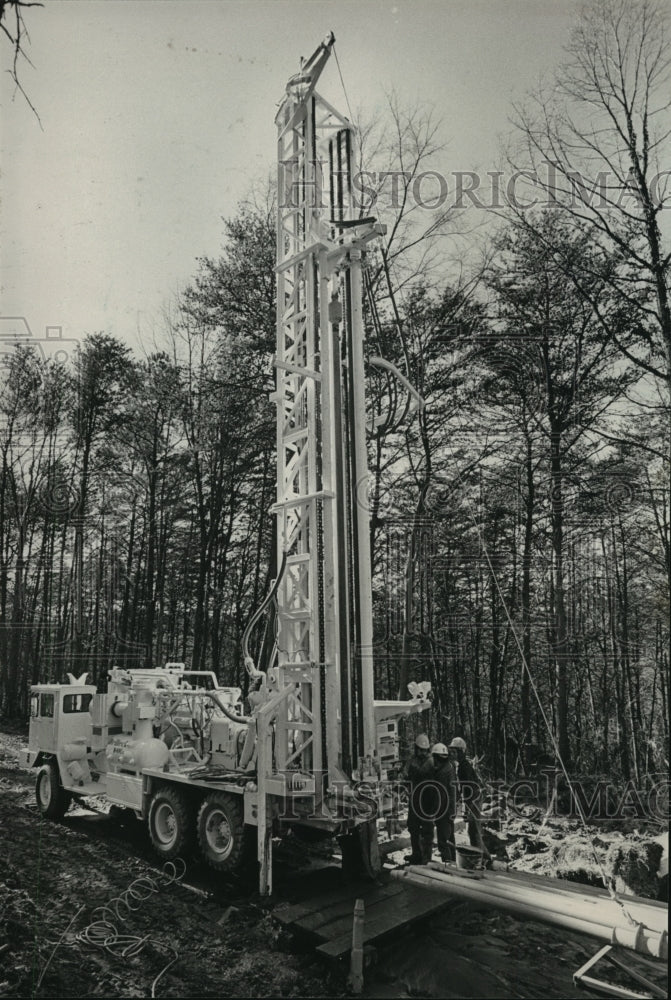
{"x": 595, "y": 913}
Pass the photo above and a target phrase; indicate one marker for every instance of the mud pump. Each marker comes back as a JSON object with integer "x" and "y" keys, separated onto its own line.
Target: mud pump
{"x": 316, "y": 748}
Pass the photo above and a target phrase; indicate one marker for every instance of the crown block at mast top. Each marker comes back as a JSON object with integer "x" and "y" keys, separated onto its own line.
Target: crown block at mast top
{"x": 302, "y": 84}
{"x": 316, "y": 153}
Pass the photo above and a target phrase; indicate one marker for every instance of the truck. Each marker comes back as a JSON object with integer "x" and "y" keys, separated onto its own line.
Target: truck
{"x": 315, "y": 750}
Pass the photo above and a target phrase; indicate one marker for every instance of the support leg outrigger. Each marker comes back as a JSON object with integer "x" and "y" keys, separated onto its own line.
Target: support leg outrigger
{"x": 370, "y": 848}
{"x": 361, "y": 852}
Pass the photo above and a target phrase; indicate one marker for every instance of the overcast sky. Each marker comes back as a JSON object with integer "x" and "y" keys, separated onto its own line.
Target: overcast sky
{"x": 157, "y": 114}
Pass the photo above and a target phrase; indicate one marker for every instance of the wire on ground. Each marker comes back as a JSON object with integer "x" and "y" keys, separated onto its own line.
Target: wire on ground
{"x": 103, "y": 931}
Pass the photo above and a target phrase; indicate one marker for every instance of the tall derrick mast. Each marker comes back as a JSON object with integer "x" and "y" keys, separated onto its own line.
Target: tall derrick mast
{"x": 324, "y": 600}
{"x": 163, "y": 741}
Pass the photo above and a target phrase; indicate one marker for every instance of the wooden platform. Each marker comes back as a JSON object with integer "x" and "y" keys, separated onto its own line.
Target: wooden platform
{"x": 389, "y": 906}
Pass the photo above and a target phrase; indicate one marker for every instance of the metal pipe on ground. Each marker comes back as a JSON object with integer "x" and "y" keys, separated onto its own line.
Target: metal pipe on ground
{"x": 564, "y": 896}
{"x": 590, "y": 903}
{"x": 605, "y": 923}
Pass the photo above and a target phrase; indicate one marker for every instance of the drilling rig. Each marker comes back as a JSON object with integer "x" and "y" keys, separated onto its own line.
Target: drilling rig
{"x": 316, "y": 749}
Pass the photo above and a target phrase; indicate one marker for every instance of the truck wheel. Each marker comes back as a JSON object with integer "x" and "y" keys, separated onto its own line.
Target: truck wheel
{"x": 53, "y": 800}
{"x": 360, "y": 852}
{"x": 170, "y": 823}
{"x": 222, "y": 836}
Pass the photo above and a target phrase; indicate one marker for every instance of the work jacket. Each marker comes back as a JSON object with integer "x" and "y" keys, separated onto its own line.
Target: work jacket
{"x": 445, "y": 777}
{"x": 419, "y": 769}
{"x": 418, "y": 772}
{"x": 469, "y": 783}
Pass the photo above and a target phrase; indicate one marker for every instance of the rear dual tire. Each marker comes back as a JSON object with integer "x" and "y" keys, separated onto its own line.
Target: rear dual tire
{"x": 226, "y": 844}
{"x": 170, "y": 823}
{"x": 224, "y": 841}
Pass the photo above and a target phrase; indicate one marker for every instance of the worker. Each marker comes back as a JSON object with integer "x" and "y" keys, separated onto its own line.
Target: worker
{"x": 445, "y": 780}
{"x": 419, "y": 774}
{"x": 470, "y": 791}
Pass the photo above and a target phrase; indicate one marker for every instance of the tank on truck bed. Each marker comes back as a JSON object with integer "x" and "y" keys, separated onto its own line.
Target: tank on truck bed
{"x": 170, "y": 744}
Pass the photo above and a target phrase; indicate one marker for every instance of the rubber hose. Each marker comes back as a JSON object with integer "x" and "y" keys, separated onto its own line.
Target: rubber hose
{"x": 227, "y": 712}
{"x": 257, "y": 614}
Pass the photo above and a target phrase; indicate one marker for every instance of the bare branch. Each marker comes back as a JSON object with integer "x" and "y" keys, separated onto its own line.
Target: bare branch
{"x": 18, "y": 36}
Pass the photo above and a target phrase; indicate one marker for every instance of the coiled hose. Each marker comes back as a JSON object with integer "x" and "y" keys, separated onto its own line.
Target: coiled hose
{"x": 103, "y": 931}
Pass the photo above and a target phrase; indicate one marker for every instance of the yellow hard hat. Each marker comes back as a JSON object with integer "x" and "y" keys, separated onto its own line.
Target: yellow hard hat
{"x": 439, "y": 749}
{"x": 458, "y": 743}
{"x": 422, "y": 742}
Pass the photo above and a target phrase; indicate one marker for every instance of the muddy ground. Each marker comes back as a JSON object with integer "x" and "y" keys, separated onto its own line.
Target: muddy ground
{"x": 220, "y": 936}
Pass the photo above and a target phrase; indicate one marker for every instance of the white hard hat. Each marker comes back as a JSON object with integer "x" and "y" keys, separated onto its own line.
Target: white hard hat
{"x": 458, "y": 743}
{"x": 439, "y": 749}
{"x": 422, "y": 742}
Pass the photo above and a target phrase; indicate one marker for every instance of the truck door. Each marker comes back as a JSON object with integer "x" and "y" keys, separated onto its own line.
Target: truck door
{"x": 44, "y": 722}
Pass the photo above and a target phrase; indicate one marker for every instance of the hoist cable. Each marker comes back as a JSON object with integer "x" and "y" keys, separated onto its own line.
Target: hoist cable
{"x": 344, "y": 88}
{"x": 103, "y": 930}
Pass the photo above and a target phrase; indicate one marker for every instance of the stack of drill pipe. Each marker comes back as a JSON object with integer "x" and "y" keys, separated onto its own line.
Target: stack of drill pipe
{"x": 638, "y": 924}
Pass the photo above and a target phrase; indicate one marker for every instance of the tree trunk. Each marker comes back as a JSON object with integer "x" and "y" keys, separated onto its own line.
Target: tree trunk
{"x": 561, "y": 647}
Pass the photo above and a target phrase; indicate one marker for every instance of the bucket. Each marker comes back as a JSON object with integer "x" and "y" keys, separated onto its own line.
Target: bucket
{"x": 469, "y": 858}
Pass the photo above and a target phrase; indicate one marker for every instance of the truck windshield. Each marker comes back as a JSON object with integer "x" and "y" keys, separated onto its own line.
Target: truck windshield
{"x": 76, "y": 702}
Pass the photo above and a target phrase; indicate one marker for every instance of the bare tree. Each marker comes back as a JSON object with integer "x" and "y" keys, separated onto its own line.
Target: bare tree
{"x": 399, "y": 179}
{"x": 14, "y": 29}
{"x": 598, "y": 146}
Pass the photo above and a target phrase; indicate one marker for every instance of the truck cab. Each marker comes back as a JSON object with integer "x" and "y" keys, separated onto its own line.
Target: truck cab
{"x": 59, "y": 715}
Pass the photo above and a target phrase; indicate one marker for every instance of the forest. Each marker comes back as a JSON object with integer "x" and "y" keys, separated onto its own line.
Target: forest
{"x": 520, "y": 525}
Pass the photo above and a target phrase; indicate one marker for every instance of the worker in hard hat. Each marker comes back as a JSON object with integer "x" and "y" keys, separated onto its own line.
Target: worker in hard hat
{"x": 470, "y": 792}
{"x": 419, "y": 773}
{"x": 445, "y": 780}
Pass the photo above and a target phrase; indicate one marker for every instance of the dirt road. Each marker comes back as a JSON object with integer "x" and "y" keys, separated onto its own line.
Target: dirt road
{"x": 51, "y": 873}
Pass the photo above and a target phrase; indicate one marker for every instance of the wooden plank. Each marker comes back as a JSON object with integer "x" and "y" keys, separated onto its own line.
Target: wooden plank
{"x": 399, "y": 913}
{"x": 342, "y": 924}
{"x": 383, "y": 922}
{"x": 330, "y": 902}
{"x": 311, "y": 905}
{"x": 336, "y": 923}
{"x": 323, "y": 923}
{"x": 316, "y": 922}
